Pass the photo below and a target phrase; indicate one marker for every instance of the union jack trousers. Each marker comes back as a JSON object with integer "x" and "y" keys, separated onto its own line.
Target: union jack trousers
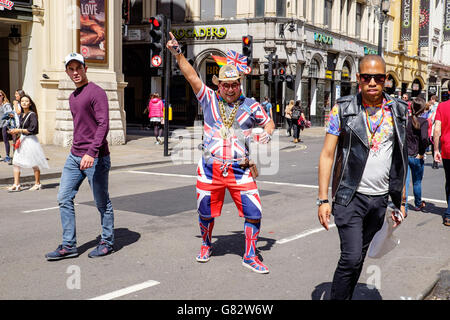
{"x": 212, "y": 183}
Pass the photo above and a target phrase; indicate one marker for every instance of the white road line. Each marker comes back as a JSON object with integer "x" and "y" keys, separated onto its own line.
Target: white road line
{"x": 128, "y": 290}
{"x": 303, "y": 234}
{"x": 163, "y": 174}
{"x": 297, "y": 185}
{"x": 44, "y": 209}
{"x": 289, "y": 184}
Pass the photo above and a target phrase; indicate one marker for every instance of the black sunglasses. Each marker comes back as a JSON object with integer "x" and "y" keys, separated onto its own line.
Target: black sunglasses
{"x": 366, "y": 77}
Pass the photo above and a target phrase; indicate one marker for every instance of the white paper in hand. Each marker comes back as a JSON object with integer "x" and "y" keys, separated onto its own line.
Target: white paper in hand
{"x": 384, "y": 241}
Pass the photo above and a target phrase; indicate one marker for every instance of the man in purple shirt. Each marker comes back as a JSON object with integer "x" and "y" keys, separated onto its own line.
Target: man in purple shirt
{"x": 89, "y": 158}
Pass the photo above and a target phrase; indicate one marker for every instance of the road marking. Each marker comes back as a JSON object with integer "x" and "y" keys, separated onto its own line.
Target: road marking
{"x": 45, "y": 209}
{"x": 303, "y": 234}
{"x": 288, "y": 184}
{"x": 163, "y": 174}
{"x": 128, "y": 290}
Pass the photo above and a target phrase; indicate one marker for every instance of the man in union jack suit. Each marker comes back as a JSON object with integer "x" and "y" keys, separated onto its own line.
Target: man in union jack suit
{"x": 229, "y": 118}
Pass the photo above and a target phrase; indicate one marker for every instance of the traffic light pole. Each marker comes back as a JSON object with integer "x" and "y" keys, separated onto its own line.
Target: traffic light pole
{"x": 274, "y": 110}
{"x": 167, "y": 72}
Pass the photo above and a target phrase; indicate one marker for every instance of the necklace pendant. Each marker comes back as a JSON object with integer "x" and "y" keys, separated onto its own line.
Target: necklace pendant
{"x": 226, "y": 133}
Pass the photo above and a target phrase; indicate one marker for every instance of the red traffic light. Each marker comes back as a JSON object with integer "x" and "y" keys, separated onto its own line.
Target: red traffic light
{"x": 246, "y": 40}
{"x": 282, "y": 71}
{"x": 154, "y": 22}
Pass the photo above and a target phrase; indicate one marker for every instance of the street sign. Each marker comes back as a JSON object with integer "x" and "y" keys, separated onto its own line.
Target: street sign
{"x": 156, "y": 61}
{"x": 248, "y": 70}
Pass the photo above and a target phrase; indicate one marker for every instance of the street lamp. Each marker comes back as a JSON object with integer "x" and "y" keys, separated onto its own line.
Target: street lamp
{"x": 383, "y": 6}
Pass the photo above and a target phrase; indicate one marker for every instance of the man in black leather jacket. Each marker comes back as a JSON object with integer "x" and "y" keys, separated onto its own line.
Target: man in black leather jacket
{"x": 367, "y": 133}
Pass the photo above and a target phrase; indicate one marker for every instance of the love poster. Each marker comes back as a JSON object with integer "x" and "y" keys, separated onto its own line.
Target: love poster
{"x": 93, "y": 30}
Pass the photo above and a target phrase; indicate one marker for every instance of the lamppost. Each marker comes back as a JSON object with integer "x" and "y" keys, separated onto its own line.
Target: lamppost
{"x": 383, "y": 6}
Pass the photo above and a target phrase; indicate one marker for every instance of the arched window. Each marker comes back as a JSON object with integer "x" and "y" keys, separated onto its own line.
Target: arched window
{"x": 314, "y": 69}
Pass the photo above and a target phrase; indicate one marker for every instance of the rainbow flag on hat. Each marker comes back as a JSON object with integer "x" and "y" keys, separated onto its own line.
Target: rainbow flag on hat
{"x": 221, "y": 61}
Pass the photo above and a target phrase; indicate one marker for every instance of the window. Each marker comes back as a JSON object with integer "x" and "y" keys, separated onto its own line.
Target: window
{"x": 327, "y": 13}
{"x": 358, "y": 19}
{"x": 313, "y": 9}
{"x": 163, "y": 7}
{"x": 281, "y": 8}
{"x": 259, "y": 8}
{"x": 207, "y": 9}
{"x": 136, "y": 12}
{"x": 314, "y": 69}
{"x": 178, "y": 10}
{"x": 228, "y": 9}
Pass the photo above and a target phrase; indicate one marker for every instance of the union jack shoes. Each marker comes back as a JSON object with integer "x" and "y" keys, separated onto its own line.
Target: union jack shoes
{"x": 205, "y": 254}
{"x": 255, "y": 265}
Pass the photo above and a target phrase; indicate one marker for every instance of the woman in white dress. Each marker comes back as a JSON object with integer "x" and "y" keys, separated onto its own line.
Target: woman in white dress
{"x": 30, "y": 153}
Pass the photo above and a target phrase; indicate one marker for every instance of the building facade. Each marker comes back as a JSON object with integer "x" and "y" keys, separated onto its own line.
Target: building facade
{"x": 36, "y": 36}
{"x": 319, "y": 42}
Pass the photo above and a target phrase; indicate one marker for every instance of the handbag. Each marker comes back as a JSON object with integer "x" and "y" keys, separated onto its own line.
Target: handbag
{"x": 19, "y": 141}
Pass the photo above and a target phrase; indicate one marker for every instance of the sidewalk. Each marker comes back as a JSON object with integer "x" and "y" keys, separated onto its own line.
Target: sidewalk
{"x": 140, "y": 150}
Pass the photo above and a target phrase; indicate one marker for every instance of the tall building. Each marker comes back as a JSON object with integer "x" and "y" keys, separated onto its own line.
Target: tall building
{"x": 415, "y": 60}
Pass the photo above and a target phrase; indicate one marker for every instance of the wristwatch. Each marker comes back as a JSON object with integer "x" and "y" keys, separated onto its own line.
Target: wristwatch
{"x": 320, "y": 202}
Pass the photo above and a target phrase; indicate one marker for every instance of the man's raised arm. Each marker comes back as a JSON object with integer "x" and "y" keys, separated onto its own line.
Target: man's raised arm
{"x": 188, "y": 71}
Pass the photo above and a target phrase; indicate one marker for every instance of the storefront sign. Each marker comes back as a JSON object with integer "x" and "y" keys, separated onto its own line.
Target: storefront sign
{"x": 321, "y": 38}
{"x": 447, "y": 21}
{"x": 406, "y": 19}
{"x": 200, "y": 33}
{"x": 329, "y": 74}
{"x": 368, "y": 50}
{"x": 424, "y": 23}
{"x": 93, "y": 31}
{"x": 5, "y": 4}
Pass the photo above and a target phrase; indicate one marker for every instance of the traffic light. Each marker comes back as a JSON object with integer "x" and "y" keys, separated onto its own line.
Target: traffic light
{"x": 157, "y": 40}
{"x": 268, "y": 67}
{"x": 282, "y": 74}
{"x": 247, "y": 49}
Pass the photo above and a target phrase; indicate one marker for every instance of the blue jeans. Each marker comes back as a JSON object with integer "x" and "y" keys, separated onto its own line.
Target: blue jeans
{"x": 71, "y": 180}
{"x": 415, "y": 170}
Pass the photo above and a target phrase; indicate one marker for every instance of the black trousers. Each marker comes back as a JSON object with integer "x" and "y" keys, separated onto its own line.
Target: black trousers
{"x": 357, "y": 224}
{"x": 296, "y": 129}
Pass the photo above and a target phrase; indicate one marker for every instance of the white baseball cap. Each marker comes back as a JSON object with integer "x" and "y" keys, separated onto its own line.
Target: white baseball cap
{"x": 74, "y": 56}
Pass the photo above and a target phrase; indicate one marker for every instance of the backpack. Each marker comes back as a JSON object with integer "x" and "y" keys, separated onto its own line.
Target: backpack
{"x": 296, "y": 113}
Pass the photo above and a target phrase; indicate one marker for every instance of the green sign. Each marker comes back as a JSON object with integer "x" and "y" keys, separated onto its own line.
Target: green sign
{"x": 322, "y": 38}
{"x": 368, "y": 50}
{"x": 200, "y": 33}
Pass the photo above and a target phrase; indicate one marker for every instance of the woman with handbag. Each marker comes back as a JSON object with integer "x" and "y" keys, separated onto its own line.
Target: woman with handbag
{"x": 28, "y": 151}
{"x": 417, "y": 141}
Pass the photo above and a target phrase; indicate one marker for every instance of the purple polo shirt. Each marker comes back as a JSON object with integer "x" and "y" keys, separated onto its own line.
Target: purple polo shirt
{"x": 90, "y": 112}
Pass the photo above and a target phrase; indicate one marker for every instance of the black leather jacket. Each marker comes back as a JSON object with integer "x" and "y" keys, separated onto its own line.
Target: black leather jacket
{"x": 353, "y": 150}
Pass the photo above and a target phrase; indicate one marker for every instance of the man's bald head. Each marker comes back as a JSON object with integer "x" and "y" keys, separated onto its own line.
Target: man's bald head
{"x": 371, "y": 58}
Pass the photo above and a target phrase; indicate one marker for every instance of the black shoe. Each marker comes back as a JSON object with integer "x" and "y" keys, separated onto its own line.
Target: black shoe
{"x": 435, "y": 165}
